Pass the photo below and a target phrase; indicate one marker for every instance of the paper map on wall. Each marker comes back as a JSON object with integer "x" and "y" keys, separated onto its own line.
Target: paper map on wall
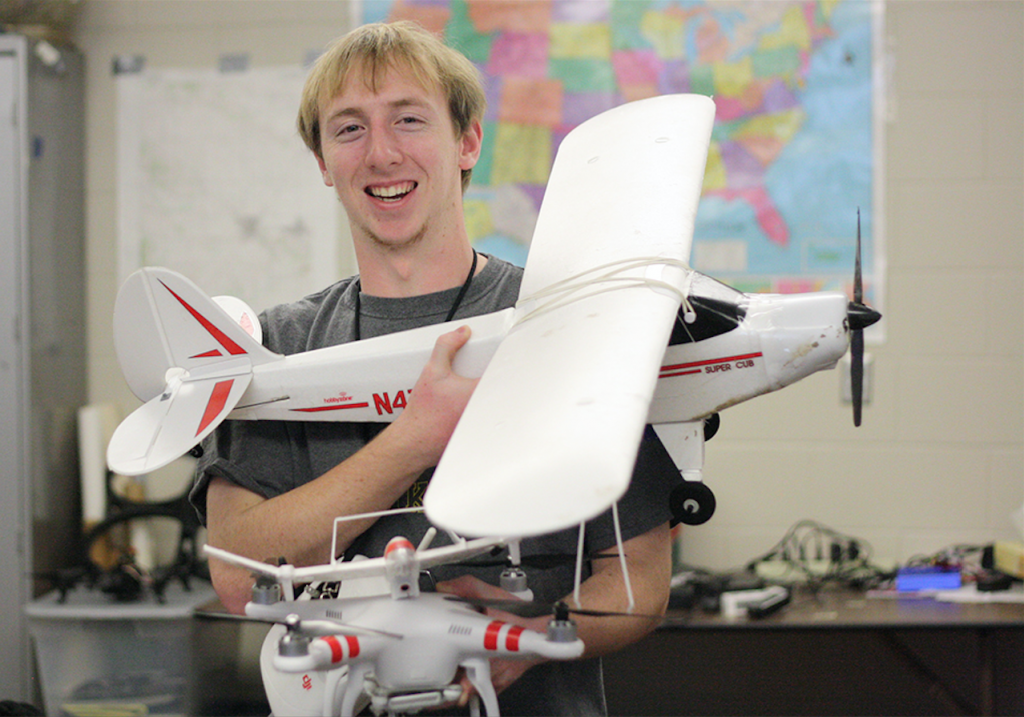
{"x": 214, "y": 182}
{"x": 793, "y": 153}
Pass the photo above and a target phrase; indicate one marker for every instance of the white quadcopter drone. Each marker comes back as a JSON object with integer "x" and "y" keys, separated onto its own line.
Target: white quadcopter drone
{"x": 375, "y": 639}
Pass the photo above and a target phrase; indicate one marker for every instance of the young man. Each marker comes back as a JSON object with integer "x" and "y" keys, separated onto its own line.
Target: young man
{"x": 393, "y": 117}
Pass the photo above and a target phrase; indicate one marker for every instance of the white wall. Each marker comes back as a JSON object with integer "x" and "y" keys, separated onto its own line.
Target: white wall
{"x": 940, "y": 459}
{"x": 172, "y": 33}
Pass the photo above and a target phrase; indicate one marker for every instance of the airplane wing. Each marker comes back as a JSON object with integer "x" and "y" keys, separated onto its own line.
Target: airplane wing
{"x": 551, "y": 433}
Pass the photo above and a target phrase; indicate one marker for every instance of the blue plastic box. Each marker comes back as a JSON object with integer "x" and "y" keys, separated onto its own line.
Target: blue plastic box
{"x": 927, "y": 578}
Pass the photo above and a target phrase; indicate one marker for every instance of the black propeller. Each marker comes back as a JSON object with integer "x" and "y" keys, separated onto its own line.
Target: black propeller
{"x": 859, "y": 317}
{"x": 539, "y": 561}
{"x": 304, "y": 626}
{"x": 538, "y": 608}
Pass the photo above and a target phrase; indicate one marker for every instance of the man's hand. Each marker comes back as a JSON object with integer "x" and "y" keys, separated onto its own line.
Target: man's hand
{"x": 438, "y": 398}
{"x": 504, "y": 671}
{"x": 300, "y": 522}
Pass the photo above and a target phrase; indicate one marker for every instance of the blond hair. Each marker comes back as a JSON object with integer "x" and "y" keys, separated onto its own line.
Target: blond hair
{"x": 379, "y": 47}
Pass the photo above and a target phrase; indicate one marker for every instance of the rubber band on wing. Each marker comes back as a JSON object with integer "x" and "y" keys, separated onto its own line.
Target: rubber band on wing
{"x": 564, "y": 292}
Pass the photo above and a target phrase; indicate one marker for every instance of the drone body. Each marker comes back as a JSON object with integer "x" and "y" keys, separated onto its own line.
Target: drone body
{"x": 435, "y": 637}
{"x": 398, "y": 647}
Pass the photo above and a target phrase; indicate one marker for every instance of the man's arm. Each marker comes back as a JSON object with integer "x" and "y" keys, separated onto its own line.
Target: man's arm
{"x": 649, "y": 561}
{"x": 298, "y": 524}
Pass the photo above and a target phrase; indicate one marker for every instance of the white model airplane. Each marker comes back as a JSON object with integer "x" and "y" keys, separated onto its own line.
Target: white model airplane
{"x": 383, "y": 643}
{"x": 569, "y": 376}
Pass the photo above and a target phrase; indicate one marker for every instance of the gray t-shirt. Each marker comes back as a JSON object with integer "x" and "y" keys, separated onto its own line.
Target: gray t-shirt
{"x": 273, "y": 457}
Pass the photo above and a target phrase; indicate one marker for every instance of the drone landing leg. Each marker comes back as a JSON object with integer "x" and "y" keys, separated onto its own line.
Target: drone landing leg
{"x": 478, "y": 671}
{"x": 352, "y": 688}
{"x": 334, "y": 689}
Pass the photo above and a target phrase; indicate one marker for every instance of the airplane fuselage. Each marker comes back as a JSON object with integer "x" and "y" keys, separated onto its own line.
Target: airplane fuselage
{"x": 738, "y": 347}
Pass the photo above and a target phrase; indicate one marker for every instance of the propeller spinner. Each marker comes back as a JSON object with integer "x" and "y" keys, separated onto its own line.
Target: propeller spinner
{"x": 859, "y": 317}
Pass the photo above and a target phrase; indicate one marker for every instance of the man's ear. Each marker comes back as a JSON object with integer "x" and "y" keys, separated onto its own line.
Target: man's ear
{"x": 323, "y": 170}
{"x": 470, "y": 145}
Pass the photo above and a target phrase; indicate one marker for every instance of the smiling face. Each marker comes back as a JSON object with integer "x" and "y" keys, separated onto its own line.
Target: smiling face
{"x": 393, "y": 158}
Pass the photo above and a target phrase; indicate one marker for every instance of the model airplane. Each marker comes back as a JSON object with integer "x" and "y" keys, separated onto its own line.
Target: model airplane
{"x": 573, "y": 372}
{"x": 377, "y": 637}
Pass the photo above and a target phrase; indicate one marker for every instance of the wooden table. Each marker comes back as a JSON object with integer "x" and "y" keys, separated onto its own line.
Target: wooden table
{"x": 836, "y": 653}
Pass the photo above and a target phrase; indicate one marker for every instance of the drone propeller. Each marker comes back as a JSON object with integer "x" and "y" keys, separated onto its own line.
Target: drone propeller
{"x": 299, "y": 632}
{"x": 305, "y": 627}
{"x": 859, "y": 318}
{"x": 325, "y": 627}
{"x": 538, "y": 608}
{"x": 539, "y": 561}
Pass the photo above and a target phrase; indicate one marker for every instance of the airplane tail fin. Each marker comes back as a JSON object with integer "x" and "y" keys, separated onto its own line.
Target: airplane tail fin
{"x": 163, "y": 321}
{"x": 183, "y": 355}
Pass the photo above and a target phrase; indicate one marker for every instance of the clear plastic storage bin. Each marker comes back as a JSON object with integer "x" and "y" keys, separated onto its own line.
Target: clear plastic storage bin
{"x": 98, "y": 657}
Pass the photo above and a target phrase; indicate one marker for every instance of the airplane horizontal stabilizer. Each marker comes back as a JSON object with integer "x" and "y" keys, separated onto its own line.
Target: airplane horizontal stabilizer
{"x": 172, "y": 423}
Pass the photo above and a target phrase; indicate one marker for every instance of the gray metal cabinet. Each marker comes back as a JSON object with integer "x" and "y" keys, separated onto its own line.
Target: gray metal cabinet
{"x": 42, "y": 332}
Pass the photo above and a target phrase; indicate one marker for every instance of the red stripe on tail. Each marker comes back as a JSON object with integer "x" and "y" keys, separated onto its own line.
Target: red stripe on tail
{"x": 222, "y": 338}
{"x": 219, "y": 397}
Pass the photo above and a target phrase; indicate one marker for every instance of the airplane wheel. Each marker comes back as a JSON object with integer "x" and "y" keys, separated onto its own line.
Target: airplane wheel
{"x": 692, "y": 503}
{"x": 711, "y": 424}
